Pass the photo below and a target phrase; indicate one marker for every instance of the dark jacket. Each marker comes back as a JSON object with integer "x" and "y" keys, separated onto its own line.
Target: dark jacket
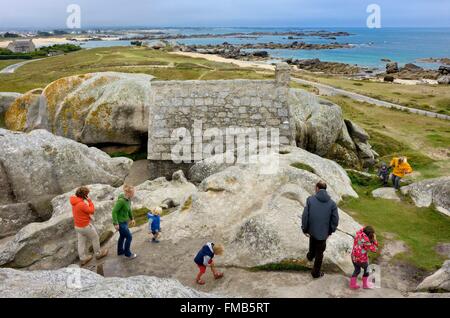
{"x": 205, "y": 255}
{"x": 320, "y": 217}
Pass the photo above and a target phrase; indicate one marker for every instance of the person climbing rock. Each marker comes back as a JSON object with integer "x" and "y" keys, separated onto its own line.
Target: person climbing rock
{"x": 320, "y": 219}
{"x": 83, "y": 211}
{"x": 122, "y": 216}
{"x": 401, "y": 168}
{"x": 364, "y": 241}
{"x": 383, "y": 174}
{"x": 204, "y": 258}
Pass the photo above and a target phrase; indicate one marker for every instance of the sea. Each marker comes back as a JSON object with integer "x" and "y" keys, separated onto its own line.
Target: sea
{"x": 370, "y": 47}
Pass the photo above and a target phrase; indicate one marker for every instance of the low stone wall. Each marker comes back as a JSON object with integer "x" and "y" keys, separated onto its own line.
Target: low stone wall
{"x": 218, "y": 105}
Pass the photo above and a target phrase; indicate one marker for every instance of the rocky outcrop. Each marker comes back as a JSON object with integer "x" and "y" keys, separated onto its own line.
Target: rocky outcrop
{"x": 386, "y": 193}
{"x": 431, "y": 192}
{"x": 41, "y": 164}
{"x": 6, "y": 99}
{"x": 52, "y": 244}
{"x": 256, "y": 212}
{"x": 73, "y": 282}
{"x": 320, "y": 128}
{"x": 438, "y": 282}
{"x": 444, "y": 80}
{"x": 392, "y": 67}
{"x": 316, "y": 65}
{"x": 15, "y": 216}
{"x": 92, "y": 108}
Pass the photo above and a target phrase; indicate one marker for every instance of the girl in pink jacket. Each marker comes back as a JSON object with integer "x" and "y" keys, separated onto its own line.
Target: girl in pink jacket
{"x": 365, "y": 241}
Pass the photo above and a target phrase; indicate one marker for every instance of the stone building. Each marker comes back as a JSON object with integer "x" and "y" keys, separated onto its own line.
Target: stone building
{"x": 22, "y": 46}
{"x": 220, "y": 106}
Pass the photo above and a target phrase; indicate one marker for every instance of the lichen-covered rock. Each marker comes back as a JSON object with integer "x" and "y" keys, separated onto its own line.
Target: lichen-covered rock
{"x": 438, "y": 282}
{"x": 73, "y": 282}
{"x": 431, "y": 192}
{"x": 39, "y": 163}
{"x": 6, "y": 99}
{"x": 52, "y": 244}
{"x": 93, "y": 108}
{"x": 17, "y": 113}
{"x": 256, "y": 212}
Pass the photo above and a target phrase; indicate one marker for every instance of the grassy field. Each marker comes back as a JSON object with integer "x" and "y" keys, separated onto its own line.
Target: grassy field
{"x": 121, "y": 59}
{"x": 420, "y": 228}
{"x": 428, "y": 97}
{"x": 424, "y": 140}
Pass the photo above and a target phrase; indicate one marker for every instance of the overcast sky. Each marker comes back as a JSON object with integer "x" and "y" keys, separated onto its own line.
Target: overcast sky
{"x": 189, "y": 13}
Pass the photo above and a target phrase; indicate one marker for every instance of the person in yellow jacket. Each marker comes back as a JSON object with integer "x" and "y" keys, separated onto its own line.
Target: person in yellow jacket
{"x": 401, "y": 168}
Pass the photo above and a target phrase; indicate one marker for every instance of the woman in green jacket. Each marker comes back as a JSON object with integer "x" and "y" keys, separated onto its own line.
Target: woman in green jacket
{"x": 121, "y": 215}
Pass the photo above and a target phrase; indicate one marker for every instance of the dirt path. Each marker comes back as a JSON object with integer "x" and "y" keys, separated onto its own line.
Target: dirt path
{"x": 12, "y": 68}
{"x": 169, "y": 260}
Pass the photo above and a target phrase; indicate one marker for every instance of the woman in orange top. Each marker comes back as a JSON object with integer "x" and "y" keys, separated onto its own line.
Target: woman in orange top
{"x": 83, "y": 210}
{"x": 401, "y": 168}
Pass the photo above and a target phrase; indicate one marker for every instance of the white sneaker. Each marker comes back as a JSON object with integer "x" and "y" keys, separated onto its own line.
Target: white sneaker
{"x": 132, "y": 256}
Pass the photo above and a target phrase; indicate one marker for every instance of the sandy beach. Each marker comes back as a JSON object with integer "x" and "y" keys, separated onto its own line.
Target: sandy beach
{"x": 216, "y": 58}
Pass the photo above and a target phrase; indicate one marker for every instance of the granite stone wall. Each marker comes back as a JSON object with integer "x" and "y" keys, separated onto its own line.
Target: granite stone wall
{"x": 199, "y": 106}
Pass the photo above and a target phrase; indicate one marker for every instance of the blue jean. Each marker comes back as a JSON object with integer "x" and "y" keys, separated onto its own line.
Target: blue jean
{"x": 125, "y": 238}
{"x": 396, "y": 181}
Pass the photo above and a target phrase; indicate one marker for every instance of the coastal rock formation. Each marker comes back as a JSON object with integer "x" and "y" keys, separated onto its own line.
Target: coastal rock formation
{"x": 39, "y": 163}
{"x": 438, "y": 282}
{"x": 316, "y": 65}
{"x": 52, "y": 244}
{"x": 73, "y": 282}
{"x": 444, "y": 80}
{"x": 431, "y": 192}
{"x": 320, "y": 128}
{"x": 255, "y": 209}
{"x": 6, "y": 99}
{"x": 392, "y": 67}
{"x": 92, "y": 108}
{"x": 15, "y": 216}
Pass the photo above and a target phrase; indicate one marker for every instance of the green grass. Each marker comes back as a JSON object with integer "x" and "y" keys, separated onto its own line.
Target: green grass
{"x": 422, "y": 139}
{"x": 420, "y": 228}
{"x": 428, "y": 97}
{"x": 122, "y": 59}
{"x": 303, "y": 166}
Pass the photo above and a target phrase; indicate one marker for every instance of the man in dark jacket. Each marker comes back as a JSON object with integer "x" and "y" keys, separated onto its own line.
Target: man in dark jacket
{"x": 320, "y": 219}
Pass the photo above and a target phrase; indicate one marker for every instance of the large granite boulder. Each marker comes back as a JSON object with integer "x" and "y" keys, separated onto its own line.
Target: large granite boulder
{"x": 93, "y": 108}
{"x": 256, "y": 212}
{"x": 73, "y": 282}
{"x": 15, "y": 216}
{"x": 52, "y": 244}
{"x": 431, "y": 192}
{"x": 320, "y": 128}
{"x": 386, "y": 193}
{"x": 37, "y": 164}
{"x": 318, "y": 123}
{"x": 438, "y": 282}
{"x": 6, "y": 99}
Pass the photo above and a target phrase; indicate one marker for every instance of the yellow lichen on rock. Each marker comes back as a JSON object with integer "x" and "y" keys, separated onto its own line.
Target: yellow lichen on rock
{"x": 16, "y": 115}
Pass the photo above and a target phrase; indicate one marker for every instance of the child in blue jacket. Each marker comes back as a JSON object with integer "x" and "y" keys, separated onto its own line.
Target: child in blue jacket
{"x": 205, "y": 258}
{"x": 154, "y": 223}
